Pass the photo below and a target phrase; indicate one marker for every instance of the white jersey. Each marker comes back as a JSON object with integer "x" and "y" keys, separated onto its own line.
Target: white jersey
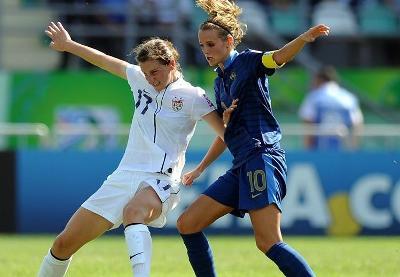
{"x": 162, "y": 125}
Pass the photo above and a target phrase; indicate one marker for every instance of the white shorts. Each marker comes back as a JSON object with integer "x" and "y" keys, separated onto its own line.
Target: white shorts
{"x": 120, "y": 187}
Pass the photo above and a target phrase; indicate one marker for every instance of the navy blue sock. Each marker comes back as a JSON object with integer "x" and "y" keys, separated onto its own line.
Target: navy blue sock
{"x": 289, "y": 261}
{"x": 200, "y": 254}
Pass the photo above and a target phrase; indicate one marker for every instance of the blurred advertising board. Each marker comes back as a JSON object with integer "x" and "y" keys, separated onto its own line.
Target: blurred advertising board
{"x": 329, "y": 193}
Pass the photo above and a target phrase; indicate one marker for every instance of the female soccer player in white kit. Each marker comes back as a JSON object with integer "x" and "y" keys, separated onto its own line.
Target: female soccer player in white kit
{"x": 144, "y": 187}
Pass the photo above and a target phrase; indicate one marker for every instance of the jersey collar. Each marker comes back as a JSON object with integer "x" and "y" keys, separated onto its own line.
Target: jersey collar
{"x": 170, "y": 85}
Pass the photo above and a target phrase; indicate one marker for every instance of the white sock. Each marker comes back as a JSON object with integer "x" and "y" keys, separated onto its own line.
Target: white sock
{"x": 139, "y": 243}
{"x": 52, "y": 267}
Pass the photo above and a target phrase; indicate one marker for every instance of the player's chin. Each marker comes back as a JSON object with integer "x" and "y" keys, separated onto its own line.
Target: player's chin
{"x": 211, "y": 63}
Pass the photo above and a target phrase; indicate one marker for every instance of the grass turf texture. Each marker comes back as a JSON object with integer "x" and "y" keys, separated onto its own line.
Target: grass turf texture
{"x": 234, "y": 256}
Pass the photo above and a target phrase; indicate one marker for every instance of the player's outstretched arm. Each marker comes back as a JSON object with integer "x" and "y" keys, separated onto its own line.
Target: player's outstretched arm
{"x": 62, "y": 42}
{"x": 215, "y": 150}
{"x": 215, "y": 122}
{"x": 290, "y": 50}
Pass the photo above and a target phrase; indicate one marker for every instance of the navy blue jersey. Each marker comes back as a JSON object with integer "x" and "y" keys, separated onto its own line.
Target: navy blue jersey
{"x": 252, "y": 127}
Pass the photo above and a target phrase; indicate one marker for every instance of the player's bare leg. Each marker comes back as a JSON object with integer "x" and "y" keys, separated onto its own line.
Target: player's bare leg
{"x": 83, "y": 227}
{"x": 191, "y": 223}
{"x": 267, "y": 232}
{"x": 266, "y": 226}
{"x": 194, "y": 219}
{"x": 144, "y": 207}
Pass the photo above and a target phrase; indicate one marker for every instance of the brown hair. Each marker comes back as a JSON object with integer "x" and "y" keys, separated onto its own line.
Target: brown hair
{"x": 157, "y": 49}
{"x": 223, "y": 16}
{"x": 327, "y": 73}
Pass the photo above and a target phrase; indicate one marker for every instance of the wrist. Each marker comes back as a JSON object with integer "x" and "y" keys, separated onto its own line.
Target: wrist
{"x": 200, "y": 168}
{"x": 69, "y": 45}
{"x": 305, "y": 38}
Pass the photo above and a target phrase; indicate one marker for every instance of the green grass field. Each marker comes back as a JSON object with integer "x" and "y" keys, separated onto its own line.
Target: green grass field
{"x": 234, "y": 256}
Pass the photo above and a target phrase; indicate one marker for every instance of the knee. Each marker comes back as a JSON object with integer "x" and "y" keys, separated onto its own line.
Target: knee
{"x": 62, "y": 247}
{"x": 264, "y": 243}
{"x": 133, "y": 213}
{"x": 180, "y": 224}
{"x": 183, "y": 226}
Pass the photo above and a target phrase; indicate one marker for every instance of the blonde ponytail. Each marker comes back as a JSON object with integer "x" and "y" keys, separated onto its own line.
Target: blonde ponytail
{"x": 223, "y": 15}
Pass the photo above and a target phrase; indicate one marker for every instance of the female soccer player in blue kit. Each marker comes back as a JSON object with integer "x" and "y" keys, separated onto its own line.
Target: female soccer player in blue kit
{"x": 256, "y": 183}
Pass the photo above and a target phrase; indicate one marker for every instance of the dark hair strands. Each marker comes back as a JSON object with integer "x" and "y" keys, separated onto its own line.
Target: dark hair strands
{"x": 157, "y": 49}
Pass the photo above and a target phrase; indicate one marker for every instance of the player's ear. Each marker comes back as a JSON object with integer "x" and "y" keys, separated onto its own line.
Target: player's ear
{"x": 172, "y": 64}
{"x": 230, "y": 40}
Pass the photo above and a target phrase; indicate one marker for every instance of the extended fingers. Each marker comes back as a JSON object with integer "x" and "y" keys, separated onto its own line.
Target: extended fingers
{"x": 61, "y": 27}
{"x": 54, "y": 26}
{"x": 234, "y": 103}
{"x": 223, "y": 105}
{"x": 233, "y": 106}
{"x": 48, "y": 33}
{"x": 52, "y": 30}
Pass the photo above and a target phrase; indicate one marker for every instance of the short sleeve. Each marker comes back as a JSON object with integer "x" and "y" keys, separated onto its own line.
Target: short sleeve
{"x": 202, "y": 105}
{"x": 254, "y": 61}
{"x": 269, "y": 71}
{"x": 219, "y": 108}
{"x": 134, "y": 75}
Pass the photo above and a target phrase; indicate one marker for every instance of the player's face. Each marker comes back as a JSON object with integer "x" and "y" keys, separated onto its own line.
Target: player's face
{"x": 215, "y": 49}
{"x": 158, "y": 75}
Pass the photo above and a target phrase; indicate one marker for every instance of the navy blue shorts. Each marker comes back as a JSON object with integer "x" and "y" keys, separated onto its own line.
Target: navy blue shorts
{"x": 255, "y": 184}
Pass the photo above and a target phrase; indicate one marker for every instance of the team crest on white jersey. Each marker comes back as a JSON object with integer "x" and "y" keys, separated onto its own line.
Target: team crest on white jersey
{"x": 177, "y": 103}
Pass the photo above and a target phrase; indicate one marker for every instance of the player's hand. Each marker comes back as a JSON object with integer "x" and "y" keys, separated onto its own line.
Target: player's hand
{"x": 315, "y": 32}
{"x": 226, "y": 116}
{"x": 59, "y": 36}
{"x": 189, "y": 177}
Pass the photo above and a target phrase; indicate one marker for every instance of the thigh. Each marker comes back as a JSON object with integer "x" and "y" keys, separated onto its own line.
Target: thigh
{"x": 169, "y": 194}
{"x": 83, "y": 227}
{"x": 200, "y": 214}
{"x": 111, "y": 198}
{"x": 144, "y": 207}
{"x": 266, "y": 226}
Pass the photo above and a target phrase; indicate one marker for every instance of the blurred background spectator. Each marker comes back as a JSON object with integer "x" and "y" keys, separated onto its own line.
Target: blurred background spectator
{"x": 333, "y": 111}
